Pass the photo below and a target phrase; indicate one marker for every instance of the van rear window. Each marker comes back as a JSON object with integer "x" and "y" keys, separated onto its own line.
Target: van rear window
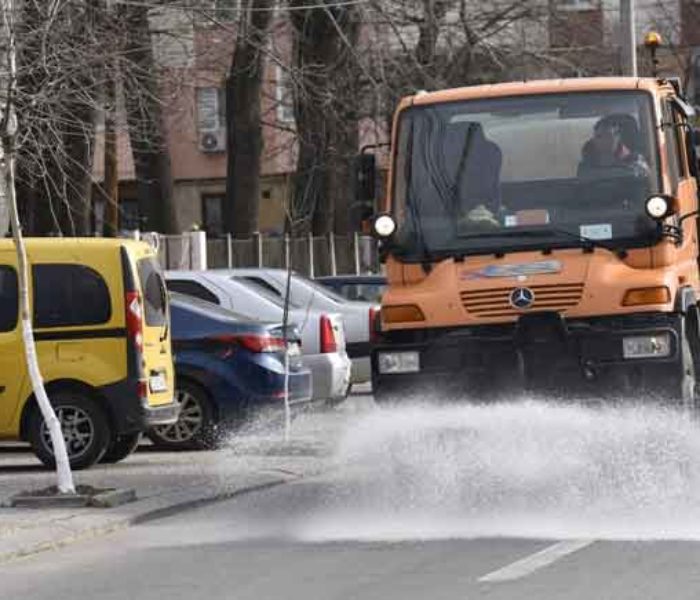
{"x": 69, "y": 295}
{"x": 153, "y": 291}
{"x": 9, "y": 299}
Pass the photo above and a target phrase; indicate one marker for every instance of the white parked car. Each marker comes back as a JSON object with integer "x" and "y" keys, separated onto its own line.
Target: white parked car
{"x": 358, "y": 317}
{"x": 322, "y": 332}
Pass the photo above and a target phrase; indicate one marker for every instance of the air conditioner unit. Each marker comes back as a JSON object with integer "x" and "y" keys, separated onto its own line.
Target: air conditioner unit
{"x": 212, "y": 141}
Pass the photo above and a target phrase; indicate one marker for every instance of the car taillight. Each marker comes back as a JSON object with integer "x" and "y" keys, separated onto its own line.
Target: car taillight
{"x": 134, "y": 319}
{"x": 253, "y": 343}
{"x": 328, "y": 343}
{"x": 373, "y": 324}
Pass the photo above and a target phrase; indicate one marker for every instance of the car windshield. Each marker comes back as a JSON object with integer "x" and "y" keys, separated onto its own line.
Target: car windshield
{"x": 263, "y": 289}
{"x": 317, "y": 288}
{"x": 480, "y": 175}
{"x": 203, "y": 306}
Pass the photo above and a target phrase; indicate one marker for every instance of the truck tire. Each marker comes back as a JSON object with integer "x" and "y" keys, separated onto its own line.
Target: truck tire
{"x": 85, "y": 425}
{"x": 675, "y": 385}
{"x": 687, "y": 386}
{"x": 121, "y": 447}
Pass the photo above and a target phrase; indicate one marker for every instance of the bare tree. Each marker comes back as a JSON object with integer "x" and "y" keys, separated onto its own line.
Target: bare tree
{"x": 8, "y": 136}
{"x": 145, "y": 118}
{"x": 244, "y": 134}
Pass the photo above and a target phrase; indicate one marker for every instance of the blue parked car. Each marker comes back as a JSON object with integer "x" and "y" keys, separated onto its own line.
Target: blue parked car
{"x": 227, "y": 368}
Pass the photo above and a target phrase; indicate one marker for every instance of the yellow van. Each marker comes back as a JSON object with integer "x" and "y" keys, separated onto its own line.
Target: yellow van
{"x": 101, "y": 325}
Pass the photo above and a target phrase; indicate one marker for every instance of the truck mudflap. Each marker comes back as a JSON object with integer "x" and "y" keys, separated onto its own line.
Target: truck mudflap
{"x": 504, "y": 357}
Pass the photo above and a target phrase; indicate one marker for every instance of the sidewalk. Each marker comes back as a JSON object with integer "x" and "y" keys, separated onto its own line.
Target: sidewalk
{"x": 165, "y": 482}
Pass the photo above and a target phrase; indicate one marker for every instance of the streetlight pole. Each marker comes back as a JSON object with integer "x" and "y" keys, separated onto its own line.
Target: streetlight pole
{"x": 628, "y": 42}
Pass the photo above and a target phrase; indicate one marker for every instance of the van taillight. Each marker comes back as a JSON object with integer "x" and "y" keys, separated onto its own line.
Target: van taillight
{"x": 134, "y": 319}
{"x": 373, "y": 324}
{"x": 328, "y": 343}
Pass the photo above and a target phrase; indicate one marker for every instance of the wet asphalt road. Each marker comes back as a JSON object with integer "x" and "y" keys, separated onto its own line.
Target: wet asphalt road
{"x": 525, "y": 501}
{"x": 262, "y": 547}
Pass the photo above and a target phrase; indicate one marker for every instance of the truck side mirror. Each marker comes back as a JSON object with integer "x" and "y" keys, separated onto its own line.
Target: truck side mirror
{"x": 365, "y": 191}
{"x": 365, "y": 178}
{"x": 693, "y": 138}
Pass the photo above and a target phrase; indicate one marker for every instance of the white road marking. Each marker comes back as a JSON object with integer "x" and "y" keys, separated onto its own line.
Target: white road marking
{"x": 538, "y": 560}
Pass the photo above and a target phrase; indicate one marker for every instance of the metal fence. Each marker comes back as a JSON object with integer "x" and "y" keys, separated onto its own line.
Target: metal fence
{"x": 311, "y": 255}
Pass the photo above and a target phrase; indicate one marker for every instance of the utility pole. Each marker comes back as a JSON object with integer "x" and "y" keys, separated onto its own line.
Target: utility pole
{"x": 627, "y": 38}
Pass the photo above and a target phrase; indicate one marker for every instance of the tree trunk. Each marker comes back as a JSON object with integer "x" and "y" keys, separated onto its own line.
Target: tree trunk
{"x": 9, "y": 134}
{"x": 146, "y": 126}
{"x": 244, "y": 137}
{"x": 326, "y": 112}
{"x": 110, "y": 185}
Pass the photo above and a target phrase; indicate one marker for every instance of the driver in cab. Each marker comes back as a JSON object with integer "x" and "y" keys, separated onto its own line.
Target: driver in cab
{"x": 612, "y": 146}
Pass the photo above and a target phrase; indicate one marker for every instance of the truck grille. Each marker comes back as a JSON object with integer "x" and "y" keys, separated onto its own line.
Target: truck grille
{"x": 496, "y": 302}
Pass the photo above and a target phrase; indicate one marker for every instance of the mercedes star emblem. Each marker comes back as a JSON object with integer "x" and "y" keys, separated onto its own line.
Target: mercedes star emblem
{"x": 522, "y": 297}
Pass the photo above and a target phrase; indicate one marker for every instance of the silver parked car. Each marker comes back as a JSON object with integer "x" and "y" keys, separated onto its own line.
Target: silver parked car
{"x": 322, "y": 332}
{"x": 358, "y": 317}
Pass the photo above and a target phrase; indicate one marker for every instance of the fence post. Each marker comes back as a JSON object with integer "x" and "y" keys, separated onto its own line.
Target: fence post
{"x": 198, "y": 250}
{"x": 331, "y": 250}
{"x": 257, "y": 237}
{"x": 311, "y": 256}
{"x": 356, "y": 250}
{"x": 287, "y": 258}
{"x": 229, "y": 251}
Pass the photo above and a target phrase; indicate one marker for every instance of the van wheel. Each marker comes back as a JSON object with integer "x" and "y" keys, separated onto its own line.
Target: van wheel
{"x": 85, "y": 428}
{"x": 121, "y": 447}
{"x": 195, "y": 428}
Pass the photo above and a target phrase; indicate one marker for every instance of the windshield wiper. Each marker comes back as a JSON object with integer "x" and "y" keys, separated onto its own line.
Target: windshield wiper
{"x": 589, "y": 243}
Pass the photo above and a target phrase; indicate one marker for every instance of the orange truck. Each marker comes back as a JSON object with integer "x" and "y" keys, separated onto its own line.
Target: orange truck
{"x": 540, "y": 234}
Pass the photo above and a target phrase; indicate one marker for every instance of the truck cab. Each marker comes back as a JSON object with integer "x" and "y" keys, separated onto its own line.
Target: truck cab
{"x": 541, "y": 234}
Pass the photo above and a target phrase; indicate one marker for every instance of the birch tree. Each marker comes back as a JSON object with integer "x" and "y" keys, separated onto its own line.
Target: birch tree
{"x": 8, "y": 135}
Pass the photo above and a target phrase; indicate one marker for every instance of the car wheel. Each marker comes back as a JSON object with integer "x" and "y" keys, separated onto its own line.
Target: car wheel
{"x": 121, "y": 447}
{"x": 195, "y": 428}
{"x": 85, "y": 428}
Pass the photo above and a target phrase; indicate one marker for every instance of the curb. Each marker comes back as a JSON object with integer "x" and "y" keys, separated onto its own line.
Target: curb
{"x": 124, "y": 522}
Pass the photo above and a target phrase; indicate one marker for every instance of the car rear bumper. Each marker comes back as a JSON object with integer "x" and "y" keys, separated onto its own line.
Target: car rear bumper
{"x": 330, "y": 374}
{"x": 165, "y": 414}
{"x": 127, "y": 412}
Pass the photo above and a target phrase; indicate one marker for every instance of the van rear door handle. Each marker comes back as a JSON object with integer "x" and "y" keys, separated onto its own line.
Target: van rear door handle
{"x": 2, "y": 389}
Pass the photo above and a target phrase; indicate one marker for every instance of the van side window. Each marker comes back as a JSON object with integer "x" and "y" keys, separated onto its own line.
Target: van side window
{"x": 9, "y": 299}
{"x": 154, "y": 294}
{"x": 191, "y": 288}
{"x": 67, "y": 295}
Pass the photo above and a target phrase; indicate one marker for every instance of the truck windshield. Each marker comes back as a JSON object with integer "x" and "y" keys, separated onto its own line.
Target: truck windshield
{"x": 482, "y": 175}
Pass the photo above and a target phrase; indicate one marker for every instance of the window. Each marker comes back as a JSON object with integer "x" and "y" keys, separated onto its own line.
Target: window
{"x": 192, "y": 288}
{"x": 673, "y": 153}
{"x": 284, "y": 96}
{"x": 68, "y": 295}
{"x": 577, "y": 4}
{"x": 153, "y": 292}
{"x": 211, "y": 108}
{"x": 129, "y": 215}
{"x": 9, "y": 299}
{"x": 213, "y": 213}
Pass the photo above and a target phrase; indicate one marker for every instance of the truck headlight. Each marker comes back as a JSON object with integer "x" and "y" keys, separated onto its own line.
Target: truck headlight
{"x": 656, "y": 345}
{"x": 398, "y": 362}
